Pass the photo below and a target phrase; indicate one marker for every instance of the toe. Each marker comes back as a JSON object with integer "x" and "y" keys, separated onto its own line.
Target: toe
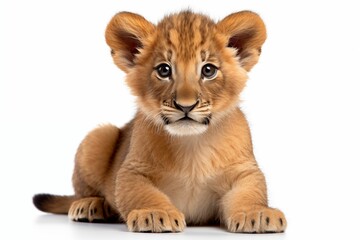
{"x": 95, "y": 213}
{"x": 252, "y": 222}
{"x": 236, "y": 223}
{"x": 272, "y": 220}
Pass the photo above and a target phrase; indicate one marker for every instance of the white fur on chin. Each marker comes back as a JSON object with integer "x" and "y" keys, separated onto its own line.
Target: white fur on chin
{"x": 186, "y": 128}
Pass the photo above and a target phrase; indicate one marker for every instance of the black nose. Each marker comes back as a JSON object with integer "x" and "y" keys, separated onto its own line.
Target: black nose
{"x": 185, "y": 109}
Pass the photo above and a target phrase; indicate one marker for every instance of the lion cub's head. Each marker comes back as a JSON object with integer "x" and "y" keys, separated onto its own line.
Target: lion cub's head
{"x": 187, "y": 71}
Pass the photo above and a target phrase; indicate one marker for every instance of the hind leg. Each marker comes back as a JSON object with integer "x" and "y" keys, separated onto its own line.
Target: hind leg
{"x": 92, "y": 209}
{"x": 92, "y": 177}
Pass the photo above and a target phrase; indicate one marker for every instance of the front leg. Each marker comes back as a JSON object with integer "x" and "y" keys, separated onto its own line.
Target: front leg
{"x": 244, "y": 207}
{"x": 143, "y": 206}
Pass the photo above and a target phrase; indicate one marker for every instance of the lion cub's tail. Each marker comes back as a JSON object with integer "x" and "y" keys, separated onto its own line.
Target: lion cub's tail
{"x": 53, "y": 203}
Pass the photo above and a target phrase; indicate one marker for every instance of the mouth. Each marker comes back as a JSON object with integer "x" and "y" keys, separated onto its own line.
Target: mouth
{"x": 186, "y": 118}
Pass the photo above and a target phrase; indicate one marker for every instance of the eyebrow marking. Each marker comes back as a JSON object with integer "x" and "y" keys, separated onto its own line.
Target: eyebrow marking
{"x": 203, "y": 55}
{"x": 169, "y": 55}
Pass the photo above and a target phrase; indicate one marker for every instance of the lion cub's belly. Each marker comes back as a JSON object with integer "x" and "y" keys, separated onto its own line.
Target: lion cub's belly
{"x": 192, "y": 196}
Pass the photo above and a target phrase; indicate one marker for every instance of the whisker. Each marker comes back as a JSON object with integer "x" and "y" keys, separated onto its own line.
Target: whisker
{"x": 205, "y": 111}
{"x": 168, "y": 108}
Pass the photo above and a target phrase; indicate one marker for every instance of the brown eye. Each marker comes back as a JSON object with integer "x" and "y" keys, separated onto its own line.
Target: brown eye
{"x": 163, "y": 71}
{"x": 209, "y": 72}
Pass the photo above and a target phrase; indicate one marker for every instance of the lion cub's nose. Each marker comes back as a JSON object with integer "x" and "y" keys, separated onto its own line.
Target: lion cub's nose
{"x": 185, "y": 109}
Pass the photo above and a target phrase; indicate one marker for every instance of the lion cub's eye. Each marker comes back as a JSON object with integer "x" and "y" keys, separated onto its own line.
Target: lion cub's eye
{"x": 163, "y": 71}
{"x": 209, "y": 71}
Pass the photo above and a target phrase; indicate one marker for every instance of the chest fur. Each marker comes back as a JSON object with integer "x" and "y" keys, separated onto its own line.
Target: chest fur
{"x": 189, "y": 185}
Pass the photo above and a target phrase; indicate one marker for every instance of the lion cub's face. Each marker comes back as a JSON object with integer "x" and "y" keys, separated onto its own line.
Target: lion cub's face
{"x": 187, "y": 71}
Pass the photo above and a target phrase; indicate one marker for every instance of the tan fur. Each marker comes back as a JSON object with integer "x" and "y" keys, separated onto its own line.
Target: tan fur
{"x": 159, "y": 172}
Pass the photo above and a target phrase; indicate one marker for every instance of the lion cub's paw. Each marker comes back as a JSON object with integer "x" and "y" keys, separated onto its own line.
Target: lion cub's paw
{"x": 93, "y": 209}
{"x": 264, "y": 220}
{"x": 155, "y": 220}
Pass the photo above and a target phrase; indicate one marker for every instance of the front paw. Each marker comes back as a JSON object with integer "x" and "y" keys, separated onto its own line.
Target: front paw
{"x": 155, "y": 220}
{"x": 262, "y": 220}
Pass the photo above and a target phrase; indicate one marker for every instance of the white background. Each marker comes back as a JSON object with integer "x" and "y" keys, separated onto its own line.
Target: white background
{"x": 57, "y": 82}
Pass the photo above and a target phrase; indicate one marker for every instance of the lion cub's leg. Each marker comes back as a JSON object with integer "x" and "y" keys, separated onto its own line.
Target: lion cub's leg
{"x": 92, "y": 209}
{"x": 244, "y": 207}
{"x": 94, "y": 158}
{"x": 143, "y": 206}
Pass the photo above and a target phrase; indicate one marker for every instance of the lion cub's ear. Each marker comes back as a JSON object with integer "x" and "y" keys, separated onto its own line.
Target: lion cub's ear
{"x": 246, "y": 33}
{"x": 125, "y": 34}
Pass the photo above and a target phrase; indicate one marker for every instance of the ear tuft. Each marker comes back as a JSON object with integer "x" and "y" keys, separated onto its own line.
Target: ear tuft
{"x": 125, "y": 34}
{"x": 246, "y": 33}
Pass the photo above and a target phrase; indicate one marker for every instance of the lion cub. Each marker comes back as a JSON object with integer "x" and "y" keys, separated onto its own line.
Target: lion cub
{"x": 186, "y": 157}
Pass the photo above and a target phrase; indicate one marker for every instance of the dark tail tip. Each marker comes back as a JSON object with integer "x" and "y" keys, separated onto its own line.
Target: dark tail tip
{"x": 40, "y": 201}
{"x": 53, "y": 203}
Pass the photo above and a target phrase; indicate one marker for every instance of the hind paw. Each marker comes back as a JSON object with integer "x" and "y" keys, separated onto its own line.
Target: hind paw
{"x": 93, "y": 209}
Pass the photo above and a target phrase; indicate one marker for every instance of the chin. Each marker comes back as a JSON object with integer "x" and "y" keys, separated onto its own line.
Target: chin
{"x": 186, "y": 128}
